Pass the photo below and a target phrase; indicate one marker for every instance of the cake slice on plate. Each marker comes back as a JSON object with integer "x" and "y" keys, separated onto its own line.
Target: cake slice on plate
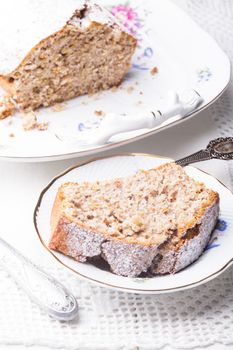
{"x": 48, "y": 58}
{"x": 158, "y": 220}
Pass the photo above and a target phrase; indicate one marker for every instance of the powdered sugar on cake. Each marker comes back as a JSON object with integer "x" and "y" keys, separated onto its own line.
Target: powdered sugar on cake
{"x": 90, "y": 12}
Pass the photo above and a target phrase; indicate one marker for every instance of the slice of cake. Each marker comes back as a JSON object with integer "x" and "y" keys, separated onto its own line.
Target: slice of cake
{"x": 45, "y": 59}
{"x": 159, "y": 220}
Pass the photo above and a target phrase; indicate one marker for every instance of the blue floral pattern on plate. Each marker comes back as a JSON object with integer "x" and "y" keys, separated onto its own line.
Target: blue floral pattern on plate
{"x": 220, "y": 227}
{"x": 204, "y": 75}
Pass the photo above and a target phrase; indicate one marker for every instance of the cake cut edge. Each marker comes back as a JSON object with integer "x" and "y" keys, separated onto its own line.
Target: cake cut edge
{"x": 190, "y": 248}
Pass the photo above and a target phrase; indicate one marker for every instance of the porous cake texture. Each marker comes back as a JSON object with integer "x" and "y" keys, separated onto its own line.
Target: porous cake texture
{"x": 81, "y": 55}
{"x": 158, "y": 220}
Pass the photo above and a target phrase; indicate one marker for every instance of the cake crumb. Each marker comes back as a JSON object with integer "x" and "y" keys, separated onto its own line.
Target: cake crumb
{"x": 154, "y": 71}
{"x": 7, "y": 108}
{"x": 11, "y": 134}
{"x": 130, "y": 89}
{"x": 42, "y": 126}
{"x": 95, "y": 96}
{"x": 140, "y": 93}
{"x": 29, "y": 121}
{"x": 91, "y": 94}
{"x": 139, "y": 103}
{"x": 58, "y": 107}
{"x": 100, "y": 113}
{"x": 114, "y": 88}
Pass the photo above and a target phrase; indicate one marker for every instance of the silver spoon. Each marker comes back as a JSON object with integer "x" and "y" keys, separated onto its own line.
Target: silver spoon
{"x": 221, "y": 148}
{"x": 49, "y": 294}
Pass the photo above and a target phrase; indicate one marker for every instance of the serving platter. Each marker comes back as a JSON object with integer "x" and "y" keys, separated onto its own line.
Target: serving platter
{"x": 173, "y": 54}
{"x": 216, "y": 258}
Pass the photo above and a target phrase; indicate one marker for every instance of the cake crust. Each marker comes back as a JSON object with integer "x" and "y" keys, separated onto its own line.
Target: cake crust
{"x": 190, "y": 248}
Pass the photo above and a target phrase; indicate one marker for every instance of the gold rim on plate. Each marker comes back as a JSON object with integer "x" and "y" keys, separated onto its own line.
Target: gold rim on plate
{"x": 135, "y": 290}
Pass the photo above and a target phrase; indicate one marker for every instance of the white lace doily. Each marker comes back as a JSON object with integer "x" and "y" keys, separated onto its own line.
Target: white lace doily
{"x": 115, "y": 320}
{"x": 216, "y": 17}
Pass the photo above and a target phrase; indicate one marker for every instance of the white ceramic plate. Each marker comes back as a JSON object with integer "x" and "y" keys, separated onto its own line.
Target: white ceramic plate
{"x": 216, "y": 258}
{"x": 186, "y": 56}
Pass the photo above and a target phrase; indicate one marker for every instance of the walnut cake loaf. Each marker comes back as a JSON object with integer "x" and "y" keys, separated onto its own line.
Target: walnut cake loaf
{"x": 156, "y": 221}
{"x": 50, "y": 55}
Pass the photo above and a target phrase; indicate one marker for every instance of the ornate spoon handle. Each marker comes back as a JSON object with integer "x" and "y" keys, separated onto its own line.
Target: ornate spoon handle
{"x": 49, "y": 294}
{"x": 221, "y": 148}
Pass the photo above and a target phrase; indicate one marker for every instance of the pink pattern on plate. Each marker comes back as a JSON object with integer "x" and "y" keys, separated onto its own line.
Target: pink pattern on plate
{"x": 128, "y": 16}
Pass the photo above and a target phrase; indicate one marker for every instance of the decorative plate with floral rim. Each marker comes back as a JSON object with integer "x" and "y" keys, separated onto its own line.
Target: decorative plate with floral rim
{"x": 173, "y": 53}
{"x": 217, "y": 256}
